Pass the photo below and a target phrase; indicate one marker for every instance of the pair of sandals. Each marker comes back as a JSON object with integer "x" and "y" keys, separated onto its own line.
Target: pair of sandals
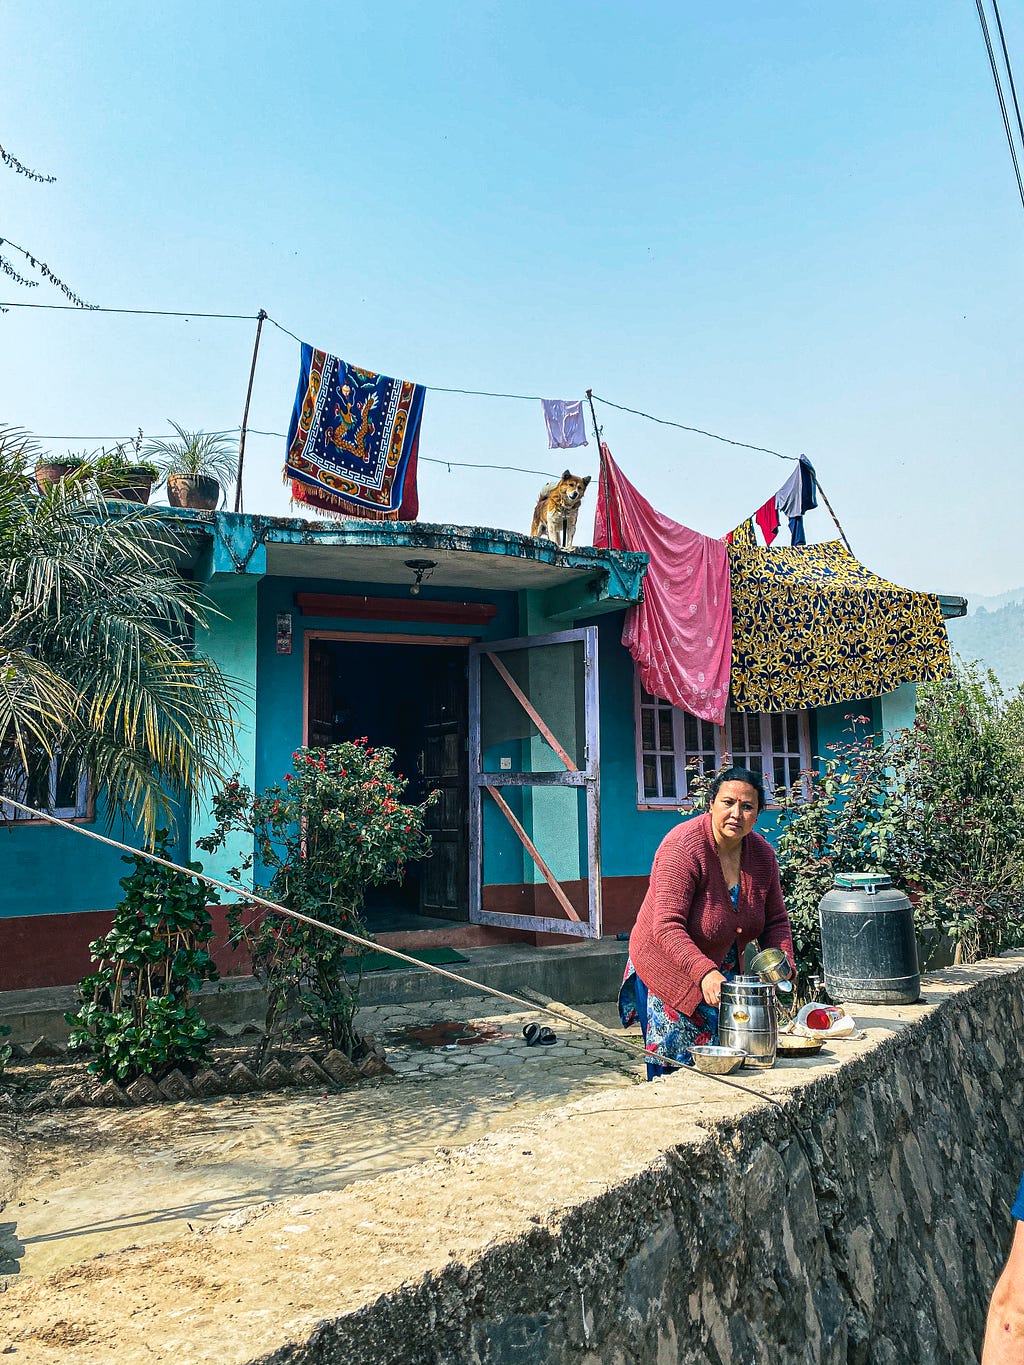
{"x": 538, "y": 1034}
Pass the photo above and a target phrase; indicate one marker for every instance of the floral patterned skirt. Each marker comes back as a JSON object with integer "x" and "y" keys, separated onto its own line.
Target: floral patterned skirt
{"x": 666, "y": 1031}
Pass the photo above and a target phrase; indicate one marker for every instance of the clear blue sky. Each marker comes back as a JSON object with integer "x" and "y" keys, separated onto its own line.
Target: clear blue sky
{"x": 792, "y": 223}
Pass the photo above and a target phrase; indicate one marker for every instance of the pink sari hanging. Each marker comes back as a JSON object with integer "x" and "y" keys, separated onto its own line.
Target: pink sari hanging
{"x": 680, "y": 635}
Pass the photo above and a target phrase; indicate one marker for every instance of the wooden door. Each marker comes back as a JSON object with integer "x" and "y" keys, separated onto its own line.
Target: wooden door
{"x": 444, "y": 876}
{"x": 320, "y": 696}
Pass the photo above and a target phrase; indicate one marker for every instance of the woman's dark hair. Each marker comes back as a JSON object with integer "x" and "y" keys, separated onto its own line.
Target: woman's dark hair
{"x": 737, "y": 775}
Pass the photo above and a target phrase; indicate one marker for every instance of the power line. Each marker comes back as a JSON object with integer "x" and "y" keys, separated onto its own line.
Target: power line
{"x": 699, "y": 431}
{"x": 433, "y": 388}
{"x": 257, "y": 431}
{"x": 999, "y": 94}
{"x": 284, "y": 329}
{"x": 1009, "y": 68}
{"x": 139, "y": 312}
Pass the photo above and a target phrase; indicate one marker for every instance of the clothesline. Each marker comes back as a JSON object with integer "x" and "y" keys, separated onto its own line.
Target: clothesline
{"x": 434, "y": 388}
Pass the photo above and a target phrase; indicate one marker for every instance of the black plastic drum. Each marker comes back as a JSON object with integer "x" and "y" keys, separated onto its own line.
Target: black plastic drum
{"x": 868, "y": 943}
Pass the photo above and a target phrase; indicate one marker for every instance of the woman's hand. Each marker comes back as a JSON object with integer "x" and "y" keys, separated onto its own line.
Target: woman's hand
{"x": 711, "y": 988}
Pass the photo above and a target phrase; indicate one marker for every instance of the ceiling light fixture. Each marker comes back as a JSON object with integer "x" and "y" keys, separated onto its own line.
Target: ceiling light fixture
{"x": 422, "y": 568}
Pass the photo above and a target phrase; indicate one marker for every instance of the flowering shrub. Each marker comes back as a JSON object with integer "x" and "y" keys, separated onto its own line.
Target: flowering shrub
{"x": 939, "y": 807}
{"x": 834, "y": 820}
{"x": 333, "y": 827}
{"x": 959, "y": 838}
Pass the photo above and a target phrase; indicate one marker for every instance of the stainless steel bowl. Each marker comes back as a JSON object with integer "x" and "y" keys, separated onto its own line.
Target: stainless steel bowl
{"x": 717, "y": 1060}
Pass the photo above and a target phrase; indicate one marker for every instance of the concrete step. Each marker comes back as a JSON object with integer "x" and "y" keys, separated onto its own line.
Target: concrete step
{"x": 577, "y": 974}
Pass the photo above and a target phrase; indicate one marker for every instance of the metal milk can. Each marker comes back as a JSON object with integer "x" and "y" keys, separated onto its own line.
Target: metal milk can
{"x": 747, "y": 1019}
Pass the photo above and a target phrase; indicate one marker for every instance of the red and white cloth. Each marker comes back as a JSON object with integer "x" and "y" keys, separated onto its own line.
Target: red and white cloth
{"x": 680, "y": 635}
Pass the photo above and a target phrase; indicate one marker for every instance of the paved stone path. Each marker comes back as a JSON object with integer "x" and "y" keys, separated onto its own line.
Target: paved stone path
{"x": 100, "y": 1180}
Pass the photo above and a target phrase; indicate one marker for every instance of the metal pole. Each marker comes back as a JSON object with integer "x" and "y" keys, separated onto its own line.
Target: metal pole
{"x": 605, "y": 480}
{"x": 245, "y": 415}
{"x": 831, "y": 513}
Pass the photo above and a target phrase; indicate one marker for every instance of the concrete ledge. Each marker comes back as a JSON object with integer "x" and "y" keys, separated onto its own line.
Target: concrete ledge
{"x": 849, "y": 1208}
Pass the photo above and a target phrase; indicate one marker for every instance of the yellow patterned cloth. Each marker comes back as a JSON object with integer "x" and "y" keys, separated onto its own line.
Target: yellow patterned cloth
{"x": 743, "y": 536}
{"x": 811, "y": 626}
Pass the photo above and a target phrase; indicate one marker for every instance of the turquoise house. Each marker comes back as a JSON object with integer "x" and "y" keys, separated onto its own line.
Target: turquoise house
{"x": 491, "y": 662}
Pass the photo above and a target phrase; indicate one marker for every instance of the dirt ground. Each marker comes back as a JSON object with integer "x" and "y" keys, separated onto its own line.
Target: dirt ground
{"x": 423, "y": 1190}
{"x": 82, "y": 1182}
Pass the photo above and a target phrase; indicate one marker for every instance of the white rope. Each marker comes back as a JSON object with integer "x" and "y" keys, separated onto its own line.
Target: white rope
{"x": 478, "y": 986}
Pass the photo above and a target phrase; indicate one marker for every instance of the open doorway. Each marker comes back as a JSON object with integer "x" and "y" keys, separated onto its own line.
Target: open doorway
{"x": 414, "y": 699}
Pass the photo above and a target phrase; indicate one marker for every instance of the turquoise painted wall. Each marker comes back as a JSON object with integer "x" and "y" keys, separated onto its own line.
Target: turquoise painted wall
{"x": 34, "y": 861}
{"x": 48, "y": 871}
{"x": 280, "y": 682}
{"x": 230, "y": 642}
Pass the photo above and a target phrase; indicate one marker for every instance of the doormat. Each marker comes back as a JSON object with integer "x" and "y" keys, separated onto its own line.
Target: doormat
{"x": 438, "y": 957}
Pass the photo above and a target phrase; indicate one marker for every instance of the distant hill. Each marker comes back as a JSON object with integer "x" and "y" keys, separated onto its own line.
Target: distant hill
{"x": 994, "y": 638}
{"x": 976, "y": 602}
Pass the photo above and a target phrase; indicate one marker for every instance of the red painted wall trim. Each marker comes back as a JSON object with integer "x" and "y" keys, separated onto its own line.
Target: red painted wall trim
{"x": 37, "y": 951}
{"x": 394, "y": 609}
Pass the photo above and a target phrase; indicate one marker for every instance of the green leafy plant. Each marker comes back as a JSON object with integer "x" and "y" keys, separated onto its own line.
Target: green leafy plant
{"x": 136, "y": 1014}
{"x": 110, "y": 466}
{"x": 959, "y": 838}
{"x": 333, "y": 827}
{"x": 6, "y": 1050}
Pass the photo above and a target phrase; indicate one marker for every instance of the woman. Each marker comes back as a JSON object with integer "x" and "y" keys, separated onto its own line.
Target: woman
{"x": 714, "y": 887}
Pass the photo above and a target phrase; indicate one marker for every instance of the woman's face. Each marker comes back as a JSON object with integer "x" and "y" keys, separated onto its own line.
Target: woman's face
{"x": 734, "y": 811}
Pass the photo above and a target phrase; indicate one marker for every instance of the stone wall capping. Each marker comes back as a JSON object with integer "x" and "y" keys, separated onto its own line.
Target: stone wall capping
{"x": 678, "y": 1221}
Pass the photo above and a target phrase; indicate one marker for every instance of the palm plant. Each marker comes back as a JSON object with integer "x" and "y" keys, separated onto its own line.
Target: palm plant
{"x": 195, "y": 455}
{"x": 96, "y": 656}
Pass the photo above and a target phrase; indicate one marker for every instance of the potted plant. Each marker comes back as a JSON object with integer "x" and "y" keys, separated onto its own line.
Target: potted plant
{"x": 50, "y": 469}
{"x": 196, "y": 466}
{"x": 129, "y": 480}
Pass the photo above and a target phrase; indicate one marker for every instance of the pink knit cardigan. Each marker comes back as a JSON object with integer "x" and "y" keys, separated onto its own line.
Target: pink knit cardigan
{"x": 687, "y": 920}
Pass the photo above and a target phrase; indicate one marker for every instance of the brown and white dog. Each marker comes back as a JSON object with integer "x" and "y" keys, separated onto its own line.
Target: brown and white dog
{"x": 557, "y": 508}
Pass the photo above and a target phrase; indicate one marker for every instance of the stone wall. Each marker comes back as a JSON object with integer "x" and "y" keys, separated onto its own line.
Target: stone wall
{"x": 853, "y": 1207}
{"x": 864, "y": 1222}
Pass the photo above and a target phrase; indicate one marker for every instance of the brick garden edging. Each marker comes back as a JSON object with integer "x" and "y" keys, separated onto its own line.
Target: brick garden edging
{"x": 331, "y": 1070}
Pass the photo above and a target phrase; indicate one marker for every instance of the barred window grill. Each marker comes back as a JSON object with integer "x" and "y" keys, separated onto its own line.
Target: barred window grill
{"x": 57, "y": 786}
{"x": 671, "y": 744}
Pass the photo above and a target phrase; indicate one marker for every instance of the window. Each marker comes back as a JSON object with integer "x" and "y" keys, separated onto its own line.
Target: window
{"x": 668, "y": 740}
{"x": 60, "y": 788}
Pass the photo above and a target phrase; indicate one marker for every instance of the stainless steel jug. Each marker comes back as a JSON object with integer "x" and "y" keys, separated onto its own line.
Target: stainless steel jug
{"x": 747, "y": 1019}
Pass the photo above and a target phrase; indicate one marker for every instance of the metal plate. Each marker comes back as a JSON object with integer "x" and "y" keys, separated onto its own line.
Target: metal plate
{"x": 799, "y": 1047}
